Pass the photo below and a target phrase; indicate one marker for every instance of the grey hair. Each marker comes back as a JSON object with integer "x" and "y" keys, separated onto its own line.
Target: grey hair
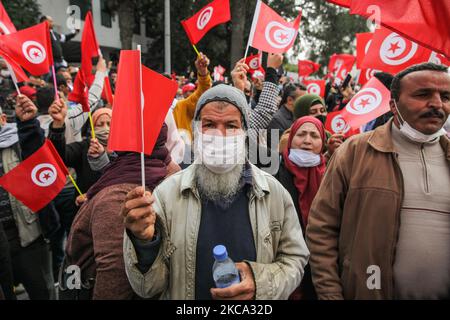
{"x": 396, "y": 82}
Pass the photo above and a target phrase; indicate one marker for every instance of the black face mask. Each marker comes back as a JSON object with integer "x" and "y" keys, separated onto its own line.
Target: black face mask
{"x": 248, "y": 98}
{"x": 322, "y": 118}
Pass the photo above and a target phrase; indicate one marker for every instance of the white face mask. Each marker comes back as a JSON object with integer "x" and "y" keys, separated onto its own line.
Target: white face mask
{"x": 303, "y": 158}
{"x": 447, "y": 125}
{"x": 220, "y": 154}
{"x": 414, "y": 135}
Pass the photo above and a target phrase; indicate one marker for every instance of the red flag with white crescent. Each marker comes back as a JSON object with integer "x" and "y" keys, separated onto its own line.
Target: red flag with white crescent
{"x": 38, "y": 179}
{"x": 315, "y": 87}
{"x": 391, "y": 52}
{"x": 270, "y": 32}
{"x": 426, "y": 22}
{"x": 211, "y": 15}
{"x": 368, "y": 104}
{"x": 341, "y": 65}
{"x": 336, "y": 124}
{"x": 31, "y": 48}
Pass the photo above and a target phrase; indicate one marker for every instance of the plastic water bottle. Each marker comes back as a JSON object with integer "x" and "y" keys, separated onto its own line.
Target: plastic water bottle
{"x": 225, "y": 273}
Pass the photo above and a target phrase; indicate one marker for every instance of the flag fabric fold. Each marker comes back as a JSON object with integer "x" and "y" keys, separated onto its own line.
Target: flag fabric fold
{"x": 426, "y": 22}
{"x": 157, "y": 94}
{"x": 307, "y": 67}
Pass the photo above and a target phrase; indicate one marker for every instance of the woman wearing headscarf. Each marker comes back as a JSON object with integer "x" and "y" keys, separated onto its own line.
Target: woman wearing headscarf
{"x": 301, "y": 171}
{"x": 95, "y": 241}
{"x": 75, "y": 155}
{"x": 313, "y": 105}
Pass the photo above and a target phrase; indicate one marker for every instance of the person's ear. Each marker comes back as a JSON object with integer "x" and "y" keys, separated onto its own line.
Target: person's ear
{"x": 392, "y": 104}
{"x": 3, "y": 119}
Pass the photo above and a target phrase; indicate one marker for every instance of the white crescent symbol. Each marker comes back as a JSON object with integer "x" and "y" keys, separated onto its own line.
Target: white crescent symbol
{"x": 44, "y": 174}
{"x": 34, "y": 52}
{"x": 204, "y": 18}
{"x": 313, "y": 88}
{"x": 388, "y": 50}
{"x": 370, "y": 73}
{"x": 282, "y": 36}
{"x": 339, "y": 125}
{"x": 365, "y": 101}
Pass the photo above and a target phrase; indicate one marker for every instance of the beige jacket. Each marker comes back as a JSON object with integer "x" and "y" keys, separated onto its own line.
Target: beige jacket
{"x": 281, "y": 251}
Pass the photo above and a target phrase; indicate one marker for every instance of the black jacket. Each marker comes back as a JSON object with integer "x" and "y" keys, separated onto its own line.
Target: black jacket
{"x": 282, "y": 120}
{"x": 56, "y": 44}
{"x": 286, "y": 178}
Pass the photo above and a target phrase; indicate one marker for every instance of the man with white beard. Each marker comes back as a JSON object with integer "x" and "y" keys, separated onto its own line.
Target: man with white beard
{"x": 220, "y": 199}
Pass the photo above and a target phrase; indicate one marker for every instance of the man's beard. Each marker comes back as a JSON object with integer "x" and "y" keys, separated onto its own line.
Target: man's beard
{"x": 219, "y": 188}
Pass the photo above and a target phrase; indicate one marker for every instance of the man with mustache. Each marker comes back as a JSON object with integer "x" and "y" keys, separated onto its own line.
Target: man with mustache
{"x": 379, "y": 225}
{"x": 220, "y": 199}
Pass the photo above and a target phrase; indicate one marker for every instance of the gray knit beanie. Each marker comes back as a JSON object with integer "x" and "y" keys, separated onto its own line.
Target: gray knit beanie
{"x": 225, "y": 93}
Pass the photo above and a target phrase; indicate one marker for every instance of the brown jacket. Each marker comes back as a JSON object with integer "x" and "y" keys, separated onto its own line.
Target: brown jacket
{"x": 354, "y": 219}
{"x": 95, "y": 243}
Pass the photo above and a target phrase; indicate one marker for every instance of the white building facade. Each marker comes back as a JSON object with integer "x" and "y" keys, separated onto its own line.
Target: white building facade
{"x": 106, "y": 25}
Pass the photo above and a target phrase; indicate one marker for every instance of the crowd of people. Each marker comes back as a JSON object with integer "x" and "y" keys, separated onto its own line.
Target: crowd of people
{"x": 364, "y": 217}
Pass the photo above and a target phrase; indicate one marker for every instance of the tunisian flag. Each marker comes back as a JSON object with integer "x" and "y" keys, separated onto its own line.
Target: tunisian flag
{"x": 306, "y": 67}
{"x": 336, "y": 124}
{"x": 369, "y": 103}
{"x": 215, "y": 13}
{"x": 315, "y": 87}
{"x": 156, "y": 97}
{"x": 270, "y": 32}
{"x": 38, "y": 179}
{"x": 390, "y": 52}
{"x": 254, "y": 64}
{"x": 426, "y": 22}
{"x": 31, "y": 48}
{"x": 341, "y": 64}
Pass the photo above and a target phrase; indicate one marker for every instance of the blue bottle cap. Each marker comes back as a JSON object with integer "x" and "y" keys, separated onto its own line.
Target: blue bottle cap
{"x": 220, "y": 252}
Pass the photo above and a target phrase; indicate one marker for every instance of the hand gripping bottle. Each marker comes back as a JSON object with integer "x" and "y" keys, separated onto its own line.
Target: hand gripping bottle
{"x": 225, "y": 273}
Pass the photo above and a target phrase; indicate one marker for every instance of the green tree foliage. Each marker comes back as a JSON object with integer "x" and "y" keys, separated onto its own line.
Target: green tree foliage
{"x": 327, "y": 29}
{"x": 23, "y": 13}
